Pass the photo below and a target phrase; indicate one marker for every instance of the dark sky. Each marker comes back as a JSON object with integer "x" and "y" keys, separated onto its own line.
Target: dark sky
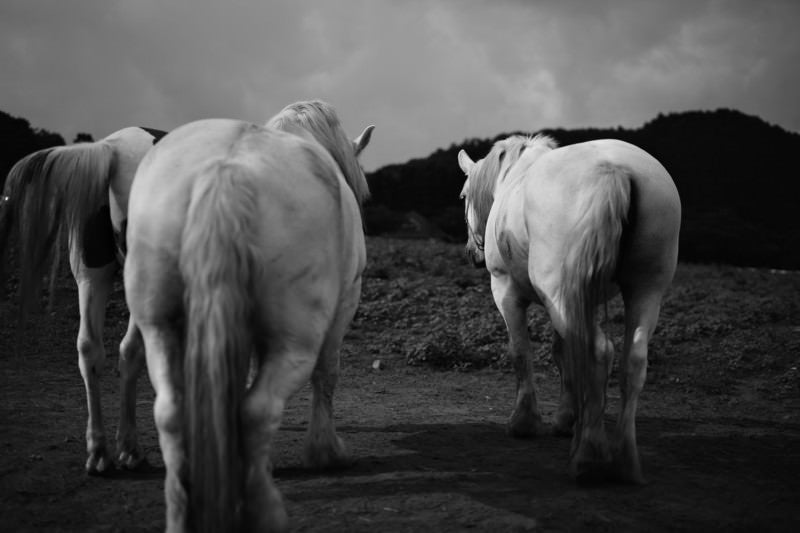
{"x": 426, "y": 73}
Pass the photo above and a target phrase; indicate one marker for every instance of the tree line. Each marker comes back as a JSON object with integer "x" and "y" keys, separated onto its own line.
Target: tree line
{"x": 18, "y": 139}
{"x": 738, "y": 177}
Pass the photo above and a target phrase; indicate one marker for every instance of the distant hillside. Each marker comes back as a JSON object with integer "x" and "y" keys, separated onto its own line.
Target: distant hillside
{"x": 738, "y": 177}
{"x": 18, "y": 139}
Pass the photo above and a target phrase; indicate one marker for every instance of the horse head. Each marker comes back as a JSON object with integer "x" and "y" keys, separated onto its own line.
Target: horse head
{"x": 474, "y": 248}
{"x": 484, "y": 176}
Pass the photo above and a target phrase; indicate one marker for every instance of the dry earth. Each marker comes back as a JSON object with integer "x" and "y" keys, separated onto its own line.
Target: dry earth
{"x": 718, "y": 426}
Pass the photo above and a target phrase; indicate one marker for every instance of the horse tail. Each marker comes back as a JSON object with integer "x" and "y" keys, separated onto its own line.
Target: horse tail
{"x": 45, "y": 191}
{"x": 86, "y": 173}
{"x": 217, "y": 264}
{"x": 589, "y": 267}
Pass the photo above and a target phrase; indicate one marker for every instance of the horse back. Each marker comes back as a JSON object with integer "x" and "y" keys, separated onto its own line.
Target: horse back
{"x": 535, "y": 220}
{"x": 301, "y": 210}
{"x": 130, "y": 146}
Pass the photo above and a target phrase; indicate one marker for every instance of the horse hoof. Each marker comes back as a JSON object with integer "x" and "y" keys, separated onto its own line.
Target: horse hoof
{"x": 627, "y": 467}
{"x": 266, "y": 512}
{"x": 630, "y": 478}
{"x": 591, "y": 472}
{"x": 562, "y": 429}
{"x": 563, "y": 424}
{"x": 591, "y": 461}
{"x": 328, "y": 462}
{"x": 134, "y": 460}
{"x": 527, "y": 426}
{"x": 628, "y": 474}
{"x": 333, "y": 456}
{"x": 99, "y": 465}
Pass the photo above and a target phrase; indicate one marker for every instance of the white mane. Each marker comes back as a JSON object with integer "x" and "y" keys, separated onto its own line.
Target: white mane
{"x": 483, "y": 178}
{"x": 320, "y": 120}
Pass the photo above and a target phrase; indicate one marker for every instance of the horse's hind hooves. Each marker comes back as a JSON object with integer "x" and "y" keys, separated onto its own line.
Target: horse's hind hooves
{"x": 332, "y": 456}
{"x": 102, "y": 467}
{"x": 134, "y": 462}
{"x": 591, "y": 473}
{"x": 595, "y": 473}
{"x": 329, "y": 463}
{"x": 527, "y": 427}
{"x": 562, "y": 431}
{"x": 627, "y": 476}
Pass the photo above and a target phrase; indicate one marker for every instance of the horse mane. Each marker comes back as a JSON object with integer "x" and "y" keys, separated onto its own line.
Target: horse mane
{"x": 320, "y": 120}
{"x": 482, "y": 180}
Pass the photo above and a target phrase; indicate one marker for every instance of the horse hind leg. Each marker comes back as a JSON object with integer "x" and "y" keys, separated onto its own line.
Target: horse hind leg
{"x": 94, "y": 286}
{"x": 323, "y": 447}
{"x": 525, "y": 421}
{"x": 131, "y": 363}
{"x": 564, "y": 419}
{"x": 640, "y": 321}
{"x": 162, "y": 349}
{"x": 591, "y": 459}
{"x": 280, "y": 374}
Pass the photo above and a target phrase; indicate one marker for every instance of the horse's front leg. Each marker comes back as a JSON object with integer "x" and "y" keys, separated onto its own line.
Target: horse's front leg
{"x": 131, "y": 363}
{"x": 525, "y": 419}
{"x": 590, "y": 456}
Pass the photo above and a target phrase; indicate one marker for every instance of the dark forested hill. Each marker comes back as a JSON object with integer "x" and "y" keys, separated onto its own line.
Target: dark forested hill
{"x": 738, "y": 176}
{"x": 18, "y": 139}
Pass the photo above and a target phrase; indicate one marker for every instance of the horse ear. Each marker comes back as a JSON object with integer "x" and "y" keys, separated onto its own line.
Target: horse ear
{"x": 465, "y": 162}
{"x": 362, "y": 140}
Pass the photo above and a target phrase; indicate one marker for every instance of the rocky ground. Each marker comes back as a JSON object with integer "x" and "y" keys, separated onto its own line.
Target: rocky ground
{"x": 422, "y": 403}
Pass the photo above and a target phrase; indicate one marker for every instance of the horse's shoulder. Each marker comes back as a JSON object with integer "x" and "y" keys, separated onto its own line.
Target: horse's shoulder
{"x": 301, "y": 150}
{"x": 323, "y": 166}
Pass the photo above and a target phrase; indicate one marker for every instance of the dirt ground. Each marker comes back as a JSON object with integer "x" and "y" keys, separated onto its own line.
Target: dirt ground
{"x": 718, "y": 425}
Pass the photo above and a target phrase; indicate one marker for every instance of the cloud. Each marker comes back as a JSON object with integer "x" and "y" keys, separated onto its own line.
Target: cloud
{"x": 426, "y": 73}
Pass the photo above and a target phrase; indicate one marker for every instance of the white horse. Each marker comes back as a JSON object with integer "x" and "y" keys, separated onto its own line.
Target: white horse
{"x": 567, "y": 228}
{"x": 244, "y": 241}
{"x": 82, "y": 191}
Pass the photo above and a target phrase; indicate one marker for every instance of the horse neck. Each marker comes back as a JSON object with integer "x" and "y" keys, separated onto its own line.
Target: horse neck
{"x": 347, "y": 164}
{"x": 513, "y": 174}
{"x": 500, "y": 178}
{"x": 483, "y": 194}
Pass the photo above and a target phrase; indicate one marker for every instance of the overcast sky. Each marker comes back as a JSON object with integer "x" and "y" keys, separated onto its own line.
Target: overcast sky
{"x": 426, "y": 73}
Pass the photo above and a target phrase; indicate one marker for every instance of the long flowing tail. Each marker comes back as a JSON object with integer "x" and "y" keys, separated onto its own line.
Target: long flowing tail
{"x": 217, "y": 264}
{"x": 588, "y": 269}
{"x": 49, "y": 193}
